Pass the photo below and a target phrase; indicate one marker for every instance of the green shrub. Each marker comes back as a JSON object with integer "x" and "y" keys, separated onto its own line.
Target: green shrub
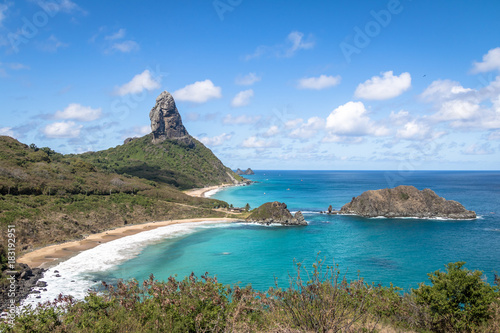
{"x": 458, "y": 299}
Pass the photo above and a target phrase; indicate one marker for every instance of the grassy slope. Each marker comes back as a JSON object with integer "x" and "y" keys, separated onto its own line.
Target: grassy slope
{"x": 168, "y": 162}
{"x": 52, "y": 197}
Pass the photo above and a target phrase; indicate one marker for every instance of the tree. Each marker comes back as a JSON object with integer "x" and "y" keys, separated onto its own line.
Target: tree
{"x": 458, "y": 298}
{"x": 247, "y": 207}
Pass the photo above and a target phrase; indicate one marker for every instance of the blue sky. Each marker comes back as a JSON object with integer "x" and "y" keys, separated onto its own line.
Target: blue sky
{"x": 339, "y": 85}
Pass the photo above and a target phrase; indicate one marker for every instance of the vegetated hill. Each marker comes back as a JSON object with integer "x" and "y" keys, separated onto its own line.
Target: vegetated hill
{"x": 171, "y": 162}
{"x": 51, "y": 197}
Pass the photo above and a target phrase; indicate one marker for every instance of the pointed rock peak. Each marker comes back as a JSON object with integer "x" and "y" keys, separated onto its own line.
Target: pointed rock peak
{"x": 166, "y": 122}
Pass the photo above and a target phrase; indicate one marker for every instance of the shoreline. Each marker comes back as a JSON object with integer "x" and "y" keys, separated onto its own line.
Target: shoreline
{"x": 51, "y": 255}
{"x": 200, "y": 192}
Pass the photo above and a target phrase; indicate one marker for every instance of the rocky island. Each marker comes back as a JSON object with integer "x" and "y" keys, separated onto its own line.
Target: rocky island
{"x": 246, "y": 172}
{"x": 405, "y": 201}
{"x": 275, "y": 212}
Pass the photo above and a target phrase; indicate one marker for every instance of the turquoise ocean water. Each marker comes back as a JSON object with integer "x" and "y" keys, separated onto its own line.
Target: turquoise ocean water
{"x": 401, "y": 251}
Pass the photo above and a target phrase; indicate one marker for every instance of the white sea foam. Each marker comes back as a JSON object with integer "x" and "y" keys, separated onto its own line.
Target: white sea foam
{"x": 208, "y": 194}
{"x": 76, "y": 273}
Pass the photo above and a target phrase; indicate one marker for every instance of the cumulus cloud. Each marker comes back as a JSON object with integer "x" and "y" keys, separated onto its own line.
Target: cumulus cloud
{"x": 63, "y": 129}
{"x": 138, "y": 131}
{"x": 295, "y": 41}
{"x": 247, "y": 80}
{"x": 240, "y": 120}
{"x": 293, "y": 123}
{"x": 491, "y": 62}
{"x": 351, "y": 119}
{"x": 457, "y": 110}
{"x": 413, "y": 130}
{"x": 271, "y": 131}
{"x": 242, "y": 98}
{"x": 138, "y": 84}
{"x": 254, "y": 142}
{"x": 198, "y": 92}
{"x": 309, "y": 129}
{"x": 216, "y": 140}
{"x": 78, "y": 112}
{"x": 441, "y": 90}
{"x": 384, "y": 87}
{"x": 319, "y": 83}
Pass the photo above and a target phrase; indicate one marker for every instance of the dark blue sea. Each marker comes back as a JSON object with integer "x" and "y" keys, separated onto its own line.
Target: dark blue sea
{"x": 380, "y": 250}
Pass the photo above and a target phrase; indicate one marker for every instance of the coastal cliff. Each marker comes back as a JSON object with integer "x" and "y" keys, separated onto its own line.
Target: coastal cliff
{"x": 275, "y": 212}
{"x": 405, "y": 201}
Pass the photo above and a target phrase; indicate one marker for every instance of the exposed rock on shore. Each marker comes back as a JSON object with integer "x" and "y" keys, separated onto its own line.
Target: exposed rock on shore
{"x": 405, "y": 201}
{"x": 25, "y": 279}
{"x": 166, "y": 121}
{"x": 275, "y": 212}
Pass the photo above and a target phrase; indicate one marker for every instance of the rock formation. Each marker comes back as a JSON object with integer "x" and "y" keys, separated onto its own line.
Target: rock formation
{"x": 275, "y": 212}
{"x": 26, "y": 279}
{"x": 405, "y": 201}
{"x": 247, "y": 172}
{"x": 166, "y": 121}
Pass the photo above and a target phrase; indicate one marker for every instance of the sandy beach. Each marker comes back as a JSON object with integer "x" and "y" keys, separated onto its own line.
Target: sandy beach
{"x": 53, "y": 254}
{"x": 200, "y": 192}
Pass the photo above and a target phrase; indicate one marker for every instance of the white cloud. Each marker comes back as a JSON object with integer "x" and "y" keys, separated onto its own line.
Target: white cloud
{"x": 247, "y": 80}
{"x": 441, "y": 90}
{"x": 318, "y": 83}
{"x": 138, "y": 84}
{"x": 413, "y": 131}
{"x": 351, "y": 119}
{"x": 117, "y": 35}
{"x": 216, "y": 140}
{"x": 52, "y": 44}
{"x": 293, "y": 123}
{"x": 137, "y": 131}
{"x": 298, "y": 43}
{"x": 457, "y": 110}
{"x": 6, "y": 131}
{"x": 399, "y": 118}
{"x": 295, "y": 41}
{"x": 475, "y": 149}
{"x": 240, "y": 120}
{"x": 125, "y": 46}
{"x": 78, "y": 112}
{"x": 254, "y": 142}
{"x": 384, "y": 87}
{"x": 309, "y": 129}
{"x": 198, "y": 92}
{"x": 64, "y": 129}
{"x": 491, "y": 62}
{"x": 66, "y": 6}
{"x": 271, "y": 131}
{"x": 242, "y": 98}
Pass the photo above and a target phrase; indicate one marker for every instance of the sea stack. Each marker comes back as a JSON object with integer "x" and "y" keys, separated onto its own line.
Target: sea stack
{"x": 276, "y": 212}
{"x": 406, "y": 201}
{"x": 166, "y": 122}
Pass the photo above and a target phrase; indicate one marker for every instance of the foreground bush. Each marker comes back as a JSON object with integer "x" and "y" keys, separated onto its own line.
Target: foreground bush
{"x": 317, "y": 301}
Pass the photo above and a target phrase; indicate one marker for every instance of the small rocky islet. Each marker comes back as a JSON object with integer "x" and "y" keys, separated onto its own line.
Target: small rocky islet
{"x": 405, "y": 201}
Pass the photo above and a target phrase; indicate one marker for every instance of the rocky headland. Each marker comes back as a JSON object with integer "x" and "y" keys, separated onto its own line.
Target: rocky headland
{"x": 405, "y": 201}
{"x": 20, "y": 283}
{"x": 275, "y": 212}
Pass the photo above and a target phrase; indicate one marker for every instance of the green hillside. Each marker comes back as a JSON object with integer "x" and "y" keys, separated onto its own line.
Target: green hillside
{"x": 169, "y": 162}
{"x": 51, "y": 197}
